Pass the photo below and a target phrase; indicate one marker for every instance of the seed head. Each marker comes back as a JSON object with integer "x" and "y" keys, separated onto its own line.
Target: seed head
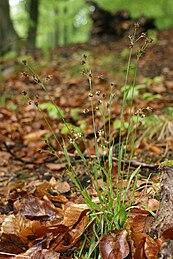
{"x": 85, "y": 111}
{"x": 90, "y": 95}
{"x": 24, "y": 93}
{"x": 98, "y": 93}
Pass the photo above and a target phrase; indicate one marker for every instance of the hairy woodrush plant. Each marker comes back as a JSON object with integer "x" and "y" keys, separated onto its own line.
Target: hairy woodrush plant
{"x": 109, "y": 210}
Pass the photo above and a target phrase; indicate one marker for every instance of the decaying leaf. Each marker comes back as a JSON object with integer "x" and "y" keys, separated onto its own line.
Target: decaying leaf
{"x": 37, "y": 252}
{"x": 73, "y": 212}
{"x": 45, "y": 189}
{"x": 34, "y": 208}
{"x": 114, "y": 245}
{"x": 144, "y": 246}
{"x": 71, "y": 237}
{"x": 23, "y": 228}
{"x": 34, "y": 136}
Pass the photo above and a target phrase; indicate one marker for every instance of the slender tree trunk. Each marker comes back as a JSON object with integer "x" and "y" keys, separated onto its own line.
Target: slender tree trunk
{"x": 33, "y": 23}
{"x": 8, "y": 35}
{"x": 56, "y": 29}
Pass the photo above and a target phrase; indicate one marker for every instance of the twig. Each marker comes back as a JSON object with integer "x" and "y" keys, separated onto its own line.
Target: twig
{"x": 15, "y": 157}
{"x": 134, "y": 163}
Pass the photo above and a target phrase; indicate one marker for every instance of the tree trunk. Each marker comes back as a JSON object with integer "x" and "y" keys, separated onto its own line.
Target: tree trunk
{"x": 33, "y": 23}
{"x": 163, "y": 222}
{"x": 8, "y": 36}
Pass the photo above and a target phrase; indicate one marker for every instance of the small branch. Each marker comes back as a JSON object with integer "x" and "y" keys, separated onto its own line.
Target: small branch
{"x": 134, "y": 163}
{"x": 13, "y": 155}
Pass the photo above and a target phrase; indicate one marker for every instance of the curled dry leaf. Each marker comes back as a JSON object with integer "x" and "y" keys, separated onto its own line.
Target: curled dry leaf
{"x": 144, "y": 246}
{"x": 23, "y": 228}
{"x": 151, "y": 248}
{"x": 59, "y": 186}
{"x": 10, "y": 243}
{"x": 114, "y": 245}
{"x": 34, "y": 208}
{"x": 71, "y": 237}
{"x": 36, "y": 252}
{"x": 73, "y": 213}
{"x": 45, "y": 189}
{"x": 138, "y": 223}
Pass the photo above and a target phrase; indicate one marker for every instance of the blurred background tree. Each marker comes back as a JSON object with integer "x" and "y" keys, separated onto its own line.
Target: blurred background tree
{"x": 33, "y": 14}
{"x": 48, "y": 24}
{"x": 8, "y": 35}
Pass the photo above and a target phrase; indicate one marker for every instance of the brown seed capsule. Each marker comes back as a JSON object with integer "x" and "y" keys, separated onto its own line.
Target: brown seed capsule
{"x": 24, "y": 93}
{"x": 90, "y": 95}
{"x": 98, "y": 93}
{"x": 85, "y": 111}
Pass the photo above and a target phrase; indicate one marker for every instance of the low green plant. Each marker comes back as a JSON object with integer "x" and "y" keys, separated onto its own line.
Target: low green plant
{"x": 110, "y": 209}
{"x": 3, "y": 99}
{"x": 156, "y": 127}
{"x": 51, "y": 109}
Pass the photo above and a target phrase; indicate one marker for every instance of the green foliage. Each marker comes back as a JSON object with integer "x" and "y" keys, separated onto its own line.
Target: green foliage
{"x": 68, "y": 21}
{"x": 160, "y": 10}
{"x": 68, "y": 127}
{"x": 150, "y": 96}
{"x": 60, "y": 22}
{"x": 52, "y": 110}
{"x": 75, "y": 113}
{"x": 64, "y": 22}
{"x": 131, "y": 92}
{"x": 20, "y": 18}
{"x": 118, "y": 124}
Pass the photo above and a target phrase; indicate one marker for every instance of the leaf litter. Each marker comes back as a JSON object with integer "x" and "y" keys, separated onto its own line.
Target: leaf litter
{"x": 42, "y": 213}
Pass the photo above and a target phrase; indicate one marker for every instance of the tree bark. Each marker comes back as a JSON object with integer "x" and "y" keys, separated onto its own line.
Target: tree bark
{"x": 33, "y": 23}
{"x": 8, "y": 36}
{"x": 163, "y": 222}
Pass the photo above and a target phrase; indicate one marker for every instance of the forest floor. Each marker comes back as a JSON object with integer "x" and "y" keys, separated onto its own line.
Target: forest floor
{"x": 43, "y": 215}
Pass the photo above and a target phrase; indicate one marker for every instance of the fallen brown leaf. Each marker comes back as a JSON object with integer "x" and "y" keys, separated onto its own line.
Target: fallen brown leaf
{"x": 114, "y": 245}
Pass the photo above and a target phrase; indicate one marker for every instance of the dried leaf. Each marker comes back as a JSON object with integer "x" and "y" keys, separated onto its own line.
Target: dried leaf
{"x": 114, "y": 245}
{"x": 153, "y": 204}
{"x": 36, "y": 252}
{"x": 151, "y": 248}
{"x": 45, "y": 189}
{"x": 145, "y": 246}
{"x": 10, "y": 243}
{"x": 59, "y": 186}
{"x": 73, "y": 213}
{"x": 34, "y": 136}
{"x": 34, "y": 208}
{"x": 53, "y": 166}
{"x": 25, "y": 229}
{"x": 72, "y": 237}
{"x": 138, "y": 224}
{"x": 168, "y": 234}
